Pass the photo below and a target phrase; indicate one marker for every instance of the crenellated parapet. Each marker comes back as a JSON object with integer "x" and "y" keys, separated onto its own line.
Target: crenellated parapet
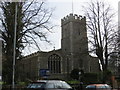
{"x": 73, "y": 17}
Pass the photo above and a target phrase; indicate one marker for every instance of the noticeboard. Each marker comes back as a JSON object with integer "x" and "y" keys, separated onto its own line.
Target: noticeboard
{"x": 44, "y": 72}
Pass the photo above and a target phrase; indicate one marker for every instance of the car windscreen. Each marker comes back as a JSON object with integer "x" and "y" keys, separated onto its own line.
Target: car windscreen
{"x": 65, "y": 85}
{"x": 107, "y": 86}
{"x": 36, "y": 85}
{"x": 91, "y": 86}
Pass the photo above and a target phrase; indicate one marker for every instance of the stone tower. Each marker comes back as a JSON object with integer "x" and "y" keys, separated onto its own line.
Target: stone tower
{"x": 74, "y": 41}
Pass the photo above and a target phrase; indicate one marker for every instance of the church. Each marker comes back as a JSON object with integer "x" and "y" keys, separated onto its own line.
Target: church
{"x": 59, "y": 63}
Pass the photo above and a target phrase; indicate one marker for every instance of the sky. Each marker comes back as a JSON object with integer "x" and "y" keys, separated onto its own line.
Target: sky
{"x": 62, "y": 8}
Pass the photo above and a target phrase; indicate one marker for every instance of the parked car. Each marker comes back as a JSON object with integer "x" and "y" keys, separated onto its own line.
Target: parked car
{"x": 49, "y": 85}
{"x": 98, "y": 87}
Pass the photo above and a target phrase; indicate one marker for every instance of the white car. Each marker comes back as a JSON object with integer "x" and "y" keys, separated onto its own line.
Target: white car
{"x": 49, "y": 85}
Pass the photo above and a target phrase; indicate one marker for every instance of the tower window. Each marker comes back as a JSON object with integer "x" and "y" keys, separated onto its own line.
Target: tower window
{"x": 54, "y": 63}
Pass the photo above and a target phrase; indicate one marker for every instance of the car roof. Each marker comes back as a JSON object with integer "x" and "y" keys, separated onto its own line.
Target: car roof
{"x": 44, "y": 81}
{"x": 98, "y": 84}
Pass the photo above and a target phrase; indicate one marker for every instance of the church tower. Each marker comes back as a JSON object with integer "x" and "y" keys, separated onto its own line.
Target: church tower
{"x": 74, "y": 41}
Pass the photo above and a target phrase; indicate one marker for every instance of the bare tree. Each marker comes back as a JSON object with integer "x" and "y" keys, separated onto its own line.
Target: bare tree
{"x": 118, "y": 41}
{"x": 101, "y": 30}
{"x": 32, "y": 25}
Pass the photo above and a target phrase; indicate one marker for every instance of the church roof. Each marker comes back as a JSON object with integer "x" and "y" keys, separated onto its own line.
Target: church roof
{"x": 40, "y": 52}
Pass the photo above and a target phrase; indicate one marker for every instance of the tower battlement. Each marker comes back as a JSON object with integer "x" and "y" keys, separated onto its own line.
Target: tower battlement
{"x": 73, "y": 17}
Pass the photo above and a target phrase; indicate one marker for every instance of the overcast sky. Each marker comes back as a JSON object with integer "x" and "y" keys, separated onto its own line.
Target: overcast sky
{"x": 62, "y": 9}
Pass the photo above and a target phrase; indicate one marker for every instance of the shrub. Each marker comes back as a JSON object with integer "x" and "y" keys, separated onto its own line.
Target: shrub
{"x": 75, "y": 74}
{"x": 90, "y": 78}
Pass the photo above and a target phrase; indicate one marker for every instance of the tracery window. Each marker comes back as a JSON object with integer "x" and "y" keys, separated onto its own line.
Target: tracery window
{"x": 54, "y": 63}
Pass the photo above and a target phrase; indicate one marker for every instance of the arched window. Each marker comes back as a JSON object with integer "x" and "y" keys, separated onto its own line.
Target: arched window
{"x": 54, "y": 63}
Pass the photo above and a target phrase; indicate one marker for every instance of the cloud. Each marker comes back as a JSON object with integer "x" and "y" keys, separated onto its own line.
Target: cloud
{"x": 64, "y": 1}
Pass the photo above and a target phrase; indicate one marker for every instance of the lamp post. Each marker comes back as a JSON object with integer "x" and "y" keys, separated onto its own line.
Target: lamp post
{"x": 79, "y": 75}
{"x": 81, "y": 83}
{"x": 14, "y": 48}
